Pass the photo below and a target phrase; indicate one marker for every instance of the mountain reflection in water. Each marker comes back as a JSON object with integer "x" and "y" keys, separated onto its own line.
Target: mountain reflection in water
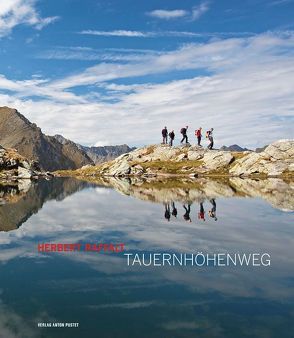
{"x": 109, "y": 298}
{"x": 21, "y": 200}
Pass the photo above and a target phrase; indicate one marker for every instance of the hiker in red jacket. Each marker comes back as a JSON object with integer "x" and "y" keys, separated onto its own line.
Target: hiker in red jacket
{"x": 199, "y": 136}
{"x": 201, "y": 213}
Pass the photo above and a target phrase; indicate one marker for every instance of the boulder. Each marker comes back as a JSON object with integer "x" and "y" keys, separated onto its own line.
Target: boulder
{"x": 280, "y": 150}
{"x": 215, "y": 159}
{"x": 24, "y": 173}
{"x": 181, "y": 157}
{"x": 120, "y": 168}
{"x": 137, "y": 170}
{"x": 197, "y": 154}
{"x": 276, "y": 159}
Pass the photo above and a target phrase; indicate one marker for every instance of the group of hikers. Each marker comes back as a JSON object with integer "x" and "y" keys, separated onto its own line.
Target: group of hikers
{"x": 198, "y": 133}
{"x": 171, "y": 210}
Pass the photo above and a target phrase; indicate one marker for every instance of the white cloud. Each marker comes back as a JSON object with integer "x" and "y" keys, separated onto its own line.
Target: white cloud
{"x": 102, "y": 143}
{"x": 158, "y": 34}
{"x": 126, "y": 33}
{"x": 240, "y": 86}
{"x": 81, "y": 216}
{"x": 194, "y": 14}
{"x": 198, "y": 11}
{"x": 167, "y": 15}
{"x": 46, "y": 21}
{"x": 17, "y": 12}
{"x": 280, "y": 2}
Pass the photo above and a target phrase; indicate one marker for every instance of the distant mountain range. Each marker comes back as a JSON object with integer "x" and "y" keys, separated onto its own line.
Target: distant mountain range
{"x": 99, "y": 154}
{"x": 52, "y": 152}
{"x": 234, "y": 147}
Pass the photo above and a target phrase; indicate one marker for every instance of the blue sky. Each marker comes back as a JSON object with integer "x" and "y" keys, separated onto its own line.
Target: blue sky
{"x": 111, "y": 72}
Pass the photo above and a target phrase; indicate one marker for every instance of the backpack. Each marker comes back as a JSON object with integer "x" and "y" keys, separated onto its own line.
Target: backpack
{"x": 183, "y": 130}
{"x": 208, "y": 133}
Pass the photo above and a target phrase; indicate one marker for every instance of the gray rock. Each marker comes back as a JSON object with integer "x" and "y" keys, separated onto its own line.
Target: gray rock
{"x": 196, "y": 154}
{"x": 216, "y": 159}
{"x": 181, "y": 157}
{"x": 24, "y": 173}
{"x": 25, "y": 164}
{"x": 277, "y": 158}
{"x": 24, "y": 185}
{"x": 137, "y": 170}
{"x": 120, "y": 168}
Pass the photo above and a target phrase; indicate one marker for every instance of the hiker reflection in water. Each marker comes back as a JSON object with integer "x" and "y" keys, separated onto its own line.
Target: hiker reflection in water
{"x": 167, "y": 211}
{"x": 201, "y": 214}
{"x": 187, "y": 213}
{"x": 212, "y": 212}
{"x": 175, "y": 210}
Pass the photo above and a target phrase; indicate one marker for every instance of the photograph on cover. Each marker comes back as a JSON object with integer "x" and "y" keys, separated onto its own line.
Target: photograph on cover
{"x": 146, "y": 169}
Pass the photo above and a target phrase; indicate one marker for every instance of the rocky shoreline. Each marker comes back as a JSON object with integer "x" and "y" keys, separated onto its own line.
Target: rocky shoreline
{"x": 276, "y": 160}
{"x": 14, "y": 167}
{"x": 275, "y": 191}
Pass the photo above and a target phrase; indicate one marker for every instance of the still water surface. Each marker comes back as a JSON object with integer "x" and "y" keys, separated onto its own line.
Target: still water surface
{"x": 108, "y": 298}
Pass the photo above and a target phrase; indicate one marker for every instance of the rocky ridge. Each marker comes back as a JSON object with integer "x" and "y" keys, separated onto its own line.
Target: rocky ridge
{"x": 19, "y": 133}
{"x": 276, "y": 160}
{"x": 13, "y": 166}
{"x": 95, "y": 155}
{"x": 21, "y": 199}
{"x": 234, "y": 147}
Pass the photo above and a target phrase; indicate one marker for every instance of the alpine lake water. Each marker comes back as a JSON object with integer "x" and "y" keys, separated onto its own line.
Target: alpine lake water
{"x": 109, "y": 298}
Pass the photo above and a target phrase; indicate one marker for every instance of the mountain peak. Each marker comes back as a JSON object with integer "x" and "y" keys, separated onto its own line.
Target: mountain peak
{"x": 16, "y": 131}
{"x": 234, "y": 147}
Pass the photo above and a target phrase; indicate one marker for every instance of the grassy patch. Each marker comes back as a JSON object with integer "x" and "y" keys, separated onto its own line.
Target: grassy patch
{"x": 178, "y": 183}
{"x": 171, "y": 167}
{"x": 238, "y": 154}
{"x": 149, "y": 150}
{"x": 288, "y": 175}
{"x": 89, "y": 171}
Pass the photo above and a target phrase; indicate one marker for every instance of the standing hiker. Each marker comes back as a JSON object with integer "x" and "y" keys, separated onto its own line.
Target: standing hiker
{"x": 184, "y": 133}
{"x": 171, "y": 137}
{"x": 164, "y": 135}
{"x": 209, "y": 135}
{"x": 186, "y": 215}
{"x": 175, "y": 210}
{"x": 167, "y": 211}
{"x": 212, "y": 212}
{"x": 199, "y": 136}
{"x": 201, "y": 213}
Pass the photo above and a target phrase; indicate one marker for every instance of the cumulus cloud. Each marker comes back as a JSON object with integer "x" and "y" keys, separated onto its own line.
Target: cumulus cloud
{"x": 239, "y": 86}
{"x": 194, "y": 14}
{"x": 168, "y": 14}
{"x": 17, "y": 12}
